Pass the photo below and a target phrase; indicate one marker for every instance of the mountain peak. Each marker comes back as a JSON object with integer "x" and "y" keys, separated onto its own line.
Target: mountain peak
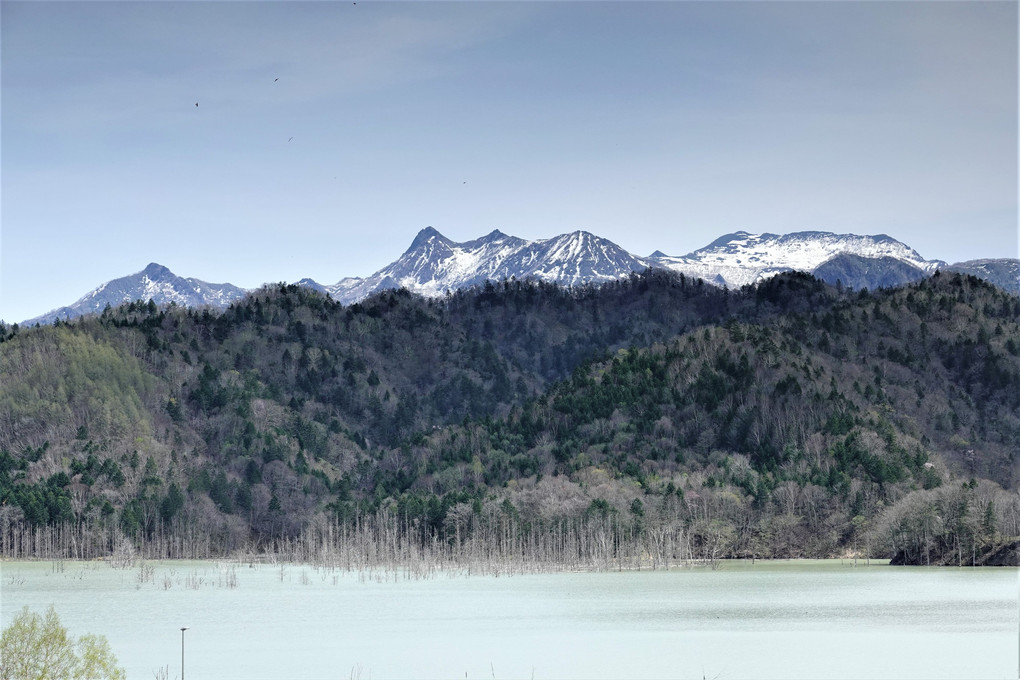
{"x": 155, "y": 270}
{"x": 727, "y": 239}
{"x": 425, "y": 235}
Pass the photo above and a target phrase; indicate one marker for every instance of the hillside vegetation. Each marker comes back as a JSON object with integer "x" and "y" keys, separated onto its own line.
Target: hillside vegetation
{"x": 685, "y": 421}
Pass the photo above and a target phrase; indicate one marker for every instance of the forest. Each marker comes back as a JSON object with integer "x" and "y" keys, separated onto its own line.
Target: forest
{"x": 656, "y": 418}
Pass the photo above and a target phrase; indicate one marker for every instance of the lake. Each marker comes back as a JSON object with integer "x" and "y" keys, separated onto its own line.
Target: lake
{"x": 796, "y": 619}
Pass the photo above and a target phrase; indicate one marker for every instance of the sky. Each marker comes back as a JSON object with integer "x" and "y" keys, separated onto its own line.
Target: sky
{"x": 327, "y": 134}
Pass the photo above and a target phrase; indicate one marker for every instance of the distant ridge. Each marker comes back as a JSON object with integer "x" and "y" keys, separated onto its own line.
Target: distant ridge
{"x": 742, "y": 258}
{"x": 859, "y": 272}
{"x": 156, "y": 283}
{"x": 1002, "y": 272}
{"x": 434, "y": 264}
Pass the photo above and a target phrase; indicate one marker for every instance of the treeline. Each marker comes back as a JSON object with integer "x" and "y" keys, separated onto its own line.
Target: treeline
{"x": 790, "y": 418}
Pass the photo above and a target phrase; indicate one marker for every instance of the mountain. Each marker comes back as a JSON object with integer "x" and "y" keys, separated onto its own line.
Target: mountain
{"x": 791, "y": 418}
{"x": 741, "y": 258}
{"x": 1003, "y": 272}
{"x": 434, "y": 264}
{"x": 859, "y": 272}
{"x": 156, "y": 283}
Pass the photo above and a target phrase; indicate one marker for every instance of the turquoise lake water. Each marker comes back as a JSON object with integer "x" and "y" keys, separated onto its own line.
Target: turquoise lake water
{"x": 801, "y": 619}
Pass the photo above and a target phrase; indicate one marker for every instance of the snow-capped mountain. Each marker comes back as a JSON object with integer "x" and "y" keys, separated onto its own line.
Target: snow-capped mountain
{"x": 156, "y": 283}
{"x": 434, "y": 264}
{"x": 742, "y": 258}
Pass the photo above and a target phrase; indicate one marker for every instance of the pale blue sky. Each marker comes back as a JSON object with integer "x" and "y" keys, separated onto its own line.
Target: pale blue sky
{"x": 658, "y": 125}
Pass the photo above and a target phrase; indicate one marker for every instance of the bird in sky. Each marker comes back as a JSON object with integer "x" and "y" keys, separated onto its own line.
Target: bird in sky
{"x": 196, "y": 104}
{"x": 290, "y": 139}
{"x": 275, "y": 80}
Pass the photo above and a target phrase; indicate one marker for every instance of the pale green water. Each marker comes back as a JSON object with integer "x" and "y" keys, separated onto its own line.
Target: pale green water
{"x": 769, "y": 620}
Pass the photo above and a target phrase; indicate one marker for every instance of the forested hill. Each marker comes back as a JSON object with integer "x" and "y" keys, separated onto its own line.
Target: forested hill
{"x": 791, "y": 418}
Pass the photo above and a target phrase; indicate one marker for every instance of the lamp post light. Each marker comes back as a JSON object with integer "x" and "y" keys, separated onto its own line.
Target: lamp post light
{"x": 182, "y": 652}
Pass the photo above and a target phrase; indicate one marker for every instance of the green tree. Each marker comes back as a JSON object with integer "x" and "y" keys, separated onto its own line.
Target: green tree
{"x": 172, "y": 503}
{"x": 38, "y": 647}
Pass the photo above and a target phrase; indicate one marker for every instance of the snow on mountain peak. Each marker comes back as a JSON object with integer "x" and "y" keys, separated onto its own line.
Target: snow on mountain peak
{"x": 156, "y": 271}
{"x": 741, "y": 258}
{"x": 156, "y": 283}
{"x": 425, "y": 236}
{"x": 434, "y": 264}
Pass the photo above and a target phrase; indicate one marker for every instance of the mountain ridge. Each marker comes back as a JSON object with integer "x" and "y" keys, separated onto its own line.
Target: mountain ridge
{"x": 788, "y": 419}
{"x": 434, "y": 264}
{"x": 157, "y": 283}
{"x": 743, "y": 258}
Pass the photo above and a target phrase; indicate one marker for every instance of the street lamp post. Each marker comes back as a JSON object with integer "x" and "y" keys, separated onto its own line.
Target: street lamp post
{"x": 182, "y": 652}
